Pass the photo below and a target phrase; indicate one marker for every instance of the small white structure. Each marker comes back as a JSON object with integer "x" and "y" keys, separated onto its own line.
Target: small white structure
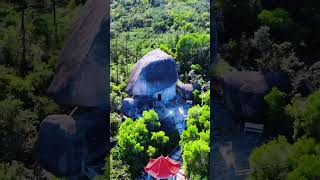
{"x": 252, "y": 127}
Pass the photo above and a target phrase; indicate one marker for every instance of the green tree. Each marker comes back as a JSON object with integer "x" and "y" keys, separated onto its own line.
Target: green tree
{"x": 275, "y": 18}
{"x": 304, "y": 146}
{"x": 15, "y": 170}
{"x": 205, "y": 98}
{"x": 199, "y": 116}
{"x": 195, "y": 158}
{"x": 306, "y": 115}
{"x": 196, "y": 96}
{"x": 115, "y": 122}
{"x": 193, "y": 49}
{"x": 308, "y": 168}
{"x": 190, "y": 134}
{"x": 304, "y": 159}
{"x": 17, "y": 130}
{"x": 277, "y": 120}
{"x": 266, "y": 159}
{"x": 138, "y": 140}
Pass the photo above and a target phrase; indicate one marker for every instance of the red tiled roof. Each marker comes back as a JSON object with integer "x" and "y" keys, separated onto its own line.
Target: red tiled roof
{"x": 162, "y": 167}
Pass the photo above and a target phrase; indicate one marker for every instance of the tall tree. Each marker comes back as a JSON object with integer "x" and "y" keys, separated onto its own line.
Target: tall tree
{"x": 55, "y": 21}
{"x": 23, "y": 68}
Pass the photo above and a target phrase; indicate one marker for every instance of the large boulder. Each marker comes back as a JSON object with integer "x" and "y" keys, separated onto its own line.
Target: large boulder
{"x": 67, "y": 145}
{"x": 156, "y": 73}
{"x": 185, "y": 91}
{"x": 129, "y": 107}
{"x": 244, "y": 92}
{"x": 82, "y": 70}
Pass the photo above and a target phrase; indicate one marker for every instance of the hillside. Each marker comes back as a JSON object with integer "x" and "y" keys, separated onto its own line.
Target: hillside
{"x": 31, "y": 36}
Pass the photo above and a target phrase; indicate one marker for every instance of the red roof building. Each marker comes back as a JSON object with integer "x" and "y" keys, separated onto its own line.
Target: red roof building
{"x": 162, "y": 167}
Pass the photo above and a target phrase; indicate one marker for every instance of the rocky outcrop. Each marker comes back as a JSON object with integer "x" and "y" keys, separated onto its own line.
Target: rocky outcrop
{"x": 67, "y": 146}
{"x": 244, "y": 92}
{"x": 82, "y": 71}
{"x": 71, "y": 146}
{"x": 129, "y": 107}
{"x": 186, "y": 90}
{"x": 155, "y": 73}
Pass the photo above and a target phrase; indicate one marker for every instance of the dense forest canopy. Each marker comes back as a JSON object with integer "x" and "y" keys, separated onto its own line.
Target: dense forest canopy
{"x": 31, "y": 36}
{"x": 181, "y": 29}
{"x": 138, "y": 27}
{"x": 278, "y": 36}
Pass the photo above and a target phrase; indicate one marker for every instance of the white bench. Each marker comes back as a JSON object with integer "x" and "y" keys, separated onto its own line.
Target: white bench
{"x": 189, "y": 102}
{"x": 252, "y": 127}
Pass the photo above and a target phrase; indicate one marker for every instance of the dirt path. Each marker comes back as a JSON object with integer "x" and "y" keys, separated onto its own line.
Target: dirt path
{"x": 231, "y": 147}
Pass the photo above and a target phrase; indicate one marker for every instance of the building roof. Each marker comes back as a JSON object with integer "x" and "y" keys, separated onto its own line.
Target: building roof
{"x": 157, "y": 70}
{"x": 162, "y": 167}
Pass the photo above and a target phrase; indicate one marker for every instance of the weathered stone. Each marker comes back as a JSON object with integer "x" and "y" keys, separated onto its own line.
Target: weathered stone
{"x": 186, "y": 90}
{"x": 81, "y": 73}
{"x": 129, "y": 107}
{"x": 244, "y": 92}
{"x": 153, "y": 75}
{"x": 66, "y": 145}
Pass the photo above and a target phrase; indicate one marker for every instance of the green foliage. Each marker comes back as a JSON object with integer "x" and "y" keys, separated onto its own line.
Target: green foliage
{"x": 200, "y": 117}
{"x": 275, "y": 18}
{"x": 306, "y": 116}
{"x": 275, "y": 99}
{"x": 205, "y": 98}
{"x": 278, "y": 159}
{"x": 17, "y": 130}
{"x": 266, "y": 160}
{"x": 195, "y": 142}
{"x": 139, "y": 139}
{"x": 277, "y": 122}
{"x": 151, "y": 118}
{"x": 159, "y": 138}
{"x": 166, "y": 49}
{"x": 24, "y": 80}
{"x": 190, "y": 134}
{"x": 311, "y": 114}
{"x": 301, "y": 148}
{"x": 193, "y": 49}
{"x": 195, "y": 158}
{"x": 304, "y": 160}
{"x": 308, "y": 168}
{"x": 140, "y": 27}
{"x": 119, "y": 170}
{"x": 15, "y": 170}
{"x": 196, "y": 67}
{"x": 115, "y": 122}
{"x": 221, "y": 68}
{"x": 196, "y": 96}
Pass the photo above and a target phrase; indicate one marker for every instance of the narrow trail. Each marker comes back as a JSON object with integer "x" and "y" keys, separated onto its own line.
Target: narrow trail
{"x": 231, "y": 148}
{"x": 180, "y": 124}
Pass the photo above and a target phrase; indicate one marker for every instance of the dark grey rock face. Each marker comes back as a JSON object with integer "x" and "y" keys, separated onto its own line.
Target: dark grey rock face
{"x": 81, "y": 73}
{"x": 185, "y": 91}
{"x": 67, "y": 145}
{"x": 71, "y": 146}
{"x": 244, "y": 91}
{"x": 129, "y": 107}
{"x": 155, "y": 72}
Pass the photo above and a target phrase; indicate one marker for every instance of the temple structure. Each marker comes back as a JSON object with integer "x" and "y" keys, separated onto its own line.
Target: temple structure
{"x": 162, "y": 168}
